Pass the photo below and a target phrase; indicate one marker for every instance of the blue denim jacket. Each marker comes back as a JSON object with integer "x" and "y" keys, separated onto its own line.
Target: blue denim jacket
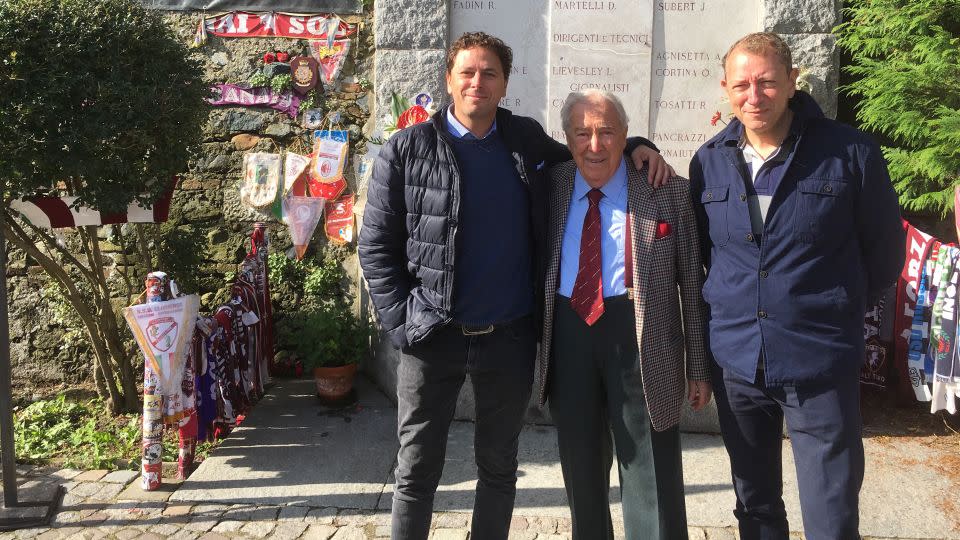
{"x": 832, "y": 239}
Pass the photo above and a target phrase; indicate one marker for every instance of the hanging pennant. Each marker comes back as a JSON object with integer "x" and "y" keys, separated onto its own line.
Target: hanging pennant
{"x": 312, "y": 118}
{"x": 329, "y": 155}
{"x": 163, "y": 331}
{"x": 328, "y": 191}
{"x": 261, "y": 179}
{"x": 259, "y": 96}
{"x": 270, "y": 24}
{"x": 956, "y": 209}
{"x": 331, "y": 54}
{"x": 302, "y": 214}
{"x": 200, "y": 38}
{"x": 294, "y": 165}
{"x": 339, "y": 221}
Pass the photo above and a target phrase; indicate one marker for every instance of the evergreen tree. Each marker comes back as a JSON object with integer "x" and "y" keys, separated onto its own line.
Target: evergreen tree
{"x": 906, "y": 59}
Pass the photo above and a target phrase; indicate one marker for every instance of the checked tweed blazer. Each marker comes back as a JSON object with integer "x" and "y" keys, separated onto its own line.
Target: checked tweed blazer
{"x": 668, "y": 277}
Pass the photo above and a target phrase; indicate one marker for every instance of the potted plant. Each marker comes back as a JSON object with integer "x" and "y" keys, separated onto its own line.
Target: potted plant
{"x": 316, "y": 328}
{"x": 330, "y": 341}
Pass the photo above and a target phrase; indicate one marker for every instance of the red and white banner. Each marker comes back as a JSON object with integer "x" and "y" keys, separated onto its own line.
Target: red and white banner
{"x": 59, "y": 212}
{"x": 271, "y": 24}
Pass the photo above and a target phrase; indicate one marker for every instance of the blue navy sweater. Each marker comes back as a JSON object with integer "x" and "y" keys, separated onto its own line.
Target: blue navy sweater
{"x": 494, "y": 281}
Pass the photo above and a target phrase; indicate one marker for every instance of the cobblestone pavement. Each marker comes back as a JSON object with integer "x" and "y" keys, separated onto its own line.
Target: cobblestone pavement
{"x": 109, "y": 505}
{"x": 96, "y": 505}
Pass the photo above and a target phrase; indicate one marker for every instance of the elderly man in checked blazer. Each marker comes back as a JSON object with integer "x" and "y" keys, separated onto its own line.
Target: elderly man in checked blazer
{"x": 624, "y": 327}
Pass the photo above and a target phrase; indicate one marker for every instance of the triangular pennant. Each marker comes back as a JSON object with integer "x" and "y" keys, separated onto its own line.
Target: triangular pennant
{"x": 302, "y": 214}
{"x": 200, "y": 38}
{"x": 331, "y": 57}
{"x": 164, "y": 331}
{"x": 294, "y": 165}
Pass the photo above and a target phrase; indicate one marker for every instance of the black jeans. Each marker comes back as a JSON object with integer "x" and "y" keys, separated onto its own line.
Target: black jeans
{"x": 429, "y": 378}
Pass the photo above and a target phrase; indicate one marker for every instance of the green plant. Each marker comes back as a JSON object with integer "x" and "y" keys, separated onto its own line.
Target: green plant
{"x": 82, "y": 435}
{"x": 281, "y": 82}
{"x": 302, "y": 285}
{"x": 259, "y": 79}
{"x": 58, "y": 429}
{"x": 330, "y": 335}
{"x": 906, "y": 57}
{"x": 109, "y": 133}
{"x": 312, "y": 310}
{"x": 310, "y": 101}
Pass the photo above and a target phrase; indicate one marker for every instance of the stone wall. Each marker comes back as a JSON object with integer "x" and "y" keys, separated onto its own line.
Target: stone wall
{"x": 206, "y": 207}
{"x": 806, "y": 25}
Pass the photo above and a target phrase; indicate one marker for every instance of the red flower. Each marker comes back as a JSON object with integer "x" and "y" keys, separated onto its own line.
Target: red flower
{"x": 269, "y": 58}
{"x": 411, "y": 116}
{"x": 283, "y": 57}
{"x": 716, "y": 118}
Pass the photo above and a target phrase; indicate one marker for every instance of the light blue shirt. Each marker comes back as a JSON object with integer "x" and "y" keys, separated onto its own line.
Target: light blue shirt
{"x": 459, "y": 130}
{"x": 613, "y": 217}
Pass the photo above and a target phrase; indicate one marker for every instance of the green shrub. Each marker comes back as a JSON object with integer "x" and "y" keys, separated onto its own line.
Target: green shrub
{"x": 100, "y": 94}
{"x": 906, "y": 58}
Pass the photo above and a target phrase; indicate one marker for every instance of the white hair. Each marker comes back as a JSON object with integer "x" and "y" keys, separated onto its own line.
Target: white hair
{"x": 579, "y": 97}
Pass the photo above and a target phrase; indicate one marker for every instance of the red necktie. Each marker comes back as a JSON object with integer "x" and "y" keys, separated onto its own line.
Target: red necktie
{"x": 587, "y": 297}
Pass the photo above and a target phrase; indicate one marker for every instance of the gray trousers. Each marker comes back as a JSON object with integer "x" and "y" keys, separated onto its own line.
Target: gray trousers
{"x": 595, "y": 388}
{"x": 430, "y": 375}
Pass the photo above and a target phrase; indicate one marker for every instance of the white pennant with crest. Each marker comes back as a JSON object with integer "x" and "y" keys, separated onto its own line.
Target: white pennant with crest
{"x": 302, "y": 215}
{"x": 164, "y": 331}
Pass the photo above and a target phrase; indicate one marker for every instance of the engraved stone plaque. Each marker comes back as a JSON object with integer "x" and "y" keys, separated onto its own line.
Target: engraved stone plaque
{"x": 662, "y": 59}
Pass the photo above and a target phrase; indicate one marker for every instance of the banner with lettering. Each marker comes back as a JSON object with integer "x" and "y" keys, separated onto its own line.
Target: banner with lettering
{"x": 272, "y": 24}
{"x": 260, "y": 96}
{"x": 293, "y": 6}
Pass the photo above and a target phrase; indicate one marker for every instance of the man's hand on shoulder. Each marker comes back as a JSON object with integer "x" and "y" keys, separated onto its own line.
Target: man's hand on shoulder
{"x": 658, "y": 171}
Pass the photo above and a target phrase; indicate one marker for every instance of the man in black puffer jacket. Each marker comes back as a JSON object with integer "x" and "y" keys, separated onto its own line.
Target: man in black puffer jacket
{"x": 452, "y": 248}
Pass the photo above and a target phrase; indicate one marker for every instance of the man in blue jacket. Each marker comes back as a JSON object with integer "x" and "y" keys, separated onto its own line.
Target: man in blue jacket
{"x": 800, "y": 226}
{"x": 453, "y": 248}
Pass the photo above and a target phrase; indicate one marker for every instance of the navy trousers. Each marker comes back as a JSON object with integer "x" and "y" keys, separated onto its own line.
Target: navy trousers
{"x": 429, "y": 379}
{"x": 824, "y": 425}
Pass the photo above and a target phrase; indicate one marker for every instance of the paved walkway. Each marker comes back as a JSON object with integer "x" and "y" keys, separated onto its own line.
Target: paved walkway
{"x": 295, "y": 470}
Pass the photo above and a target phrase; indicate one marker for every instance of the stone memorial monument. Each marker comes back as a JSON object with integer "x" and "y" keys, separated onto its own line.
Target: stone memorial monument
{"x": 662, "y": 58}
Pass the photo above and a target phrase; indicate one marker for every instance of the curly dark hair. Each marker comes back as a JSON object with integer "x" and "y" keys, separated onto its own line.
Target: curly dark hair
{"x": 472, "y": 40}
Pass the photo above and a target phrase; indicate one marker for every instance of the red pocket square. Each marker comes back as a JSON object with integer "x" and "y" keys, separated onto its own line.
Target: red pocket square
{"x": 663, "y": 229}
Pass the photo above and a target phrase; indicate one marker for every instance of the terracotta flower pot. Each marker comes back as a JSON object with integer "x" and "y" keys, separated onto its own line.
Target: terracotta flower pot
{"x": 334, "y": 383}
